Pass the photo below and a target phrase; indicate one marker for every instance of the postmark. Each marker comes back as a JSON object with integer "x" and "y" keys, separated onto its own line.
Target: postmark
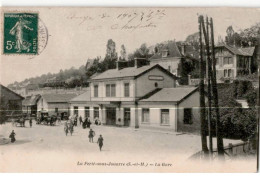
{"x": 20, "y": 33}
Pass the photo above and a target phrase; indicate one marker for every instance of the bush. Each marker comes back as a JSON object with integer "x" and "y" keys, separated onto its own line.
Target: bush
{"x": 236, "y": 122}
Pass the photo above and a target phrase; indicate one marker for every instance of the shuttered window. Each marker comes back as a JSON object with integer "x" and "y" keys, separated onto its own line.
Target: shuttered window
{"x": 96, "y": 91}
{"x": 113, "y": 90}
{"x": 110, "y": 90}
{"x": 127, "y": 90}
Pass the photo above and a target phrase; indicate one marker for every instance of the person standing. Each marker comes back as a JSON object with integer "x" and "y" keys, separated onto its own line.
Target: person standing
{"x": 30, "y": 121}
{"x": 80, "y": 120}
{"x": 12, "y": 136}
{"x": 100, "y": 142}
{"x": 91, "y": 135}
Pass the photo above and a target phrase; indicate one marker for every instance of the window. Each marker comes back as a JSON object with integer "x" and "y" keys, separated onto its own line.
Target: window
{"x": 217, "y": 61}
{"x": 165, "y": 117}
{"x": 228, "y": 60}
{"x": 229, "y": 73}
{"x": 86, "y": 111}
{"x": 56, "y": 110}
{"x": 156, "y": 84}
{"x": 113, "y": 90}
{"x": 96, "y": 112}
{"x": 187, "y": 116}
{"x": 76, "y": 110}
{"x": 96, "y": 91}
{"x": 127, "y": 90}
{"x": 110, "y": 90}
{"x": 145, "y": 115}
{"x": 225, "y": 73}
{"x": 164, "y": 53}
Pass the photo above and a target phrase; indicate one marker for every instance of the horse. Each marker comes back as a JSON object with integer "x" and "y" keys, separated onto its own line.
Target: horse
{"x": 20, "y": 121}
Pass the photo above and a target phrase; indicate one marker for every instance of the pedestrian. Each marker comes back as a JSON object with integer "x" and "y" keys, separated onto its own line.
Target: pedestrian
{"x": 91, "y": 135}
{"x": 12, "y": 136}
{"x": 66, "y": 128}
{"x": 76, "y": 121}
{"x": 100, "y": 142}
{"x": 88, "y": 122}
{"x": 80, "y": 120}
{"x": 30, "y": 121}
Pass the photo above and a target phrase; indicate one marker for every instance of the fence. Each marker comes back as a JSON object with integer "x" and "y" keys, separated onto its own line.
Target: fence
{"x": 230, "y": 151}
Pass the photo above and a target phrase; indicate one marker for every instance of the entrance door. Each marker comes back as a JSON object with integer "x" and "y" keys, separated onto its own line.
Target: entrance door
{"x": 111, "y": 116}
{"x": 127, "y": 117}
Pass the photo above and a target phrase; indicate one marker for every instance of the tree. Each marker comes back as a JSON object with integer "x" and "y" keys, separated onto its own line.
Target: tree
{"x": 123, "y": 53}
{"x": 141, "y": 52}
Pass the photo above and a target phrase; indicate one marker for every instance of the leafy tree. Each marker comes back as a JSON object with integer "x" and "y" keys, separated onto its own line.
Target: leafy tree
{"x": 123, "y": 52}
{"x": 141, "y": 52}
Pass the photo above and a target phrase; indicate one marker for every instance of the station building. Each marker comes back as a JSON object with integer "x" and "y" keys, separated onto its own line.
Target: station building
{"x": 143, "y": 96}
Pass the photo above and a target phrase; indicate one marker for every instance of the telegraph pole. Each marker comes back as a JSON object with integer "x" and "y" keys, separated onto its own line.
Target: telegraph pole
{"x": 219, "y": 136}
{"x": 209, "y": 89}
{"x": 202, "y": 94}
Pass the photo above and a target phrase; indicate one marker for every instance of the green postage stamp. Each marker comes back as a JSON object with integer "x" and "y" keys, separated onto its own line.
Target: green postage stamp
{"x": 20, "y": 33}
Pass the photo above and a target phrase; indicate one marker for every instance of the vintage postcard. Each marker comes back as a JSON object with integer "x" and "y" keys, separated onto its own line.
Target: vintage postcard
{"x": 91, "y": 89}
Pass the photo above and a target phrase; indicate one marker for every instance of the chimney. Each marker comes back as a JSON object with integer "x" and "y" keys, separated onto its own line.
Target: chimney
{"x": 121, "y": 64}
{"x": 139, "y": 62}
{"x": 183, "y": 49}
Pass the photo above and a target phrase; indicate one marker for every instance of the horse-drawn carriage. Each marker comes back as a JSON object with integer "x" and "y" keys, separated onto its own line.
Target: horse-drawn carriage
{"x": 46, "y": 119}
{"x": 17, "y": 118}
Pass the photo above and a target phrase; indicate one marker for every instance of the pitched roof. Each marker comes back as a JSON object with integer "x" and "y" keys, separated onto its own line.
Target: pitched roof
{"x": 82, "y": 97}
{"x": 58, "y": 98}
{"x": 3, "y": 87}
{"x": 31, "y": 100}
{"x": 248, "y": 51}
{"x": 128, "y": 72}
{"x": 171, "y": 47}
{"x": 171, "y": 94}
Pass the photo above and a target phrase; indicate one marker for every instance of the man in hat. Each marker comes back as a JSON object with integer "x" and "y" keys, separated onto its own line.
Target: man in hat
{"x": 91, "y": 135}
{"x": 100, "y": 142}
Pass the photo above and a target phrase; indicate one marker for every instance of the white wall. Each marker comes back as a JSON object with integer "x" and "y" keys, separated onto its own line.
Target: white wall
{"x": 155, "y": 116}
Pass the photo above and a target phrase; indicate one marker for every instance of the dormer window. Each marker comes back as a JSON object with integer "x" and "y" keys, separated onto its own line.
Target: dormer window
{"x": 164, "y": 53}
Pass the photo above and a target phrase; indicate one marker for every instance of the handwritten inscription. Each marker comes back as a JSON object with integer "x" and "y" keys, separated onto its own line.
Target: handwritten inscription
{"x": 122, "y": 21}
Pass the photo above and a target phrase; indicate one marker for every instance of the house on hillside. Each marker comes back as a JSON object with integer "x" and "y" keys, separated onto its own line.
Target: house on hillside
{"x": 11, "y": 102}
{"x": 142, "y": 96}
{"x": 54, "y": 103}
{"x": 170, "y": 55}
{"x": 232, "y": 62}
{"x": 30, "y": 104}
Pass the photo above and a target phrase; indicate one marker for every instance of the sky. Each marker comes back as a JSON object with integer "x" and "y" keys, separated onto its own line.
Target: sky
{"x": 77, "y": 34}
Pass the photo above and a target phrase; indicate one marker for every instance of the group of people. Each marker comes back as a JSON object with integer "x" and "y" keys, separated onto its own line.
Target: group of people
{"x": 68, "y": 127}
{"x": 99, "y": 141}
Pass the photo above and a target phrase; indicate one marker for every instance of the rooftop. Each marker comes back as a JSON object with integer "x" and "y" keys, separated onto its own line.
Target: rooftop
{"x": 247, "y": 51}
{"x": 82, "y": 97}
{"x": 127, "y": 72}
{"x": 58, "y": 98}
{"x": 31, "y": 100}
{"x": 171, "y": 94}
{"x": 171, "y": 47}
